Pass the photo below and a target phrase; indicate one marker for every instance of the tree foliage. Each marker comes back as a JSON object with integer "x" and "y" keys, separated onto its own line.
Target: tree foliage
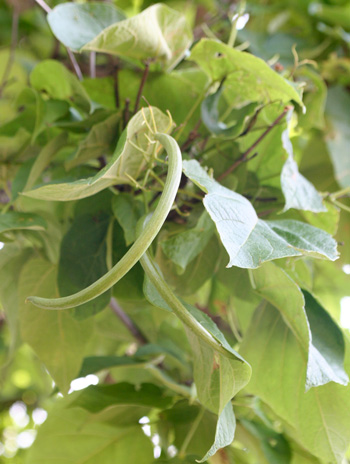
{"x": 174, "y": 228}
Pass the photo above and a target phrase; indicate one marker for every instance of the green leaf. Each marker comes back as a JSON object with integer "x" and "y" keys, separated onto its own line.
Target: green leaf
{"x": 330, "y": 284}
{"x": 337, "y": 15}
{"x": 11, "y": 146}
{"x": 98, "y": 397}
{"x": 93, "y": 364}
{"x": 298, "y": 191}
{"x": 13, "y": 220}
{"x": 32, "y": 115}
{"x": 44, "y": 158}
{"x": 157, "y": 33}
{"x": 211, "y": 118}
{"x": 130, "y": 286}
{"x": 248, "y": 240}
{"x": 249, "y": 78}
{"x": 314, "y": 98}
{"x": 182, "y": 248}
{"x": 98, "y": 142}
{"x": 127, "y": 210}
{"x": 127, "y": 161}
{"x": 12, "y": 260}
{"x": 56, "y": 337}
{"x": 72, "y": 436}
{"x": 101, "y": 91}
{"x": 77, "y": 24}
{"x": 218, "y": 377}
{"x": 321, "y": 342}
{"x": 274, "y": 446}
{"x": 231, "y": 291}
{"x": 193, "y": 425}
{"x": 225, "y": 431}
{"x": 53, "y": 77}
{"x": 338, "y": 138}
{"x": 152, "y": 295}
{"x": 318, "y": 419}
{"x": 197, "y": 272}
{"x": 327, "y": 341}
{"x": 163, "y": 90}
{"x": 83, "y": 260}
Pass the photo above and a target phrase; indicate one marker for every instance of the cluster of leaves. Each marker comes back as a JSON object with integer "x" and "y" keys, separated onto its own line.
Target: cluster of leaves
{"x": 225, "y": 338}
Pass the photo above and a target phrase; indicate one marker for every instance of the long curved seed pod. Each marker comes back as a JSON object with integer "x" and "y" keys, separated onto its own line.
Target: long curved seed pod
{"x": 177, "y": 307}
{"x": 142, "y": 242}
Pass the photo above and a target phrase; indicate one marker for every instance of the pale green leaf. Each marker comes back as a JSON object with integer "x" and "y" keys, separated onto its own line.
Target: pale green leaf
{"x": 128, "y": 161}
{"x": 76, "y": 24}
{"x": 234, "y": 216}
{"x": 250, "y": 78}
{"x": 56, "y": 337}
{"x": 319, "y": 418}
{"x": 248, "y": 240}
{"x": 157, "y": 33}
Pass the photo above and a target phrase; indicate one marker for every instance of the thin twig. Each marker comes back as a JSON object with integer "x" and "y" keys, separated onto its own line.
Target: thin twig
{"x": 43, "y": 5}
{"x": 103, "y": 162}
{"x": 142, "y": 84}
{"x": 93, "y": 65}
{"x": 266, "y": 212}
{"x": 75, "y": 64}
{"x": 262, "y": 199}
{"x": 242, "y": 159}
{"x": 192, "y": 136}
{"x": 129, "y": 324}
{"x": 126, "y": 113}
{"x": 11, "y": 58}
{"x": 244, "y": 156}
{"x": 72, "y": 58}
{"x": 116, "y": 86}
{"x": 223, "y": 326}
{"x": 251, "y": 122}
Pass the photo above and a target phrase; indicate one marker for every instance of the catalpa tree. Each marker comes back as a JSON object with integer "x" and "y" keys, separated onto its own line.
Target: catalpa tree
{"x": 175, "y": 184}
